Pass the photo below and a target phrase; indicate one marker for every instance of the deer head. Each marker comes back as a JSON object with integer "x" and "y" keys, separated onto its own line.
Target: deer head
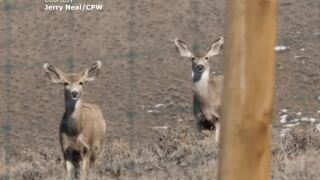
{"x": 200, "y": 64}
{"x": 72, "y": 82}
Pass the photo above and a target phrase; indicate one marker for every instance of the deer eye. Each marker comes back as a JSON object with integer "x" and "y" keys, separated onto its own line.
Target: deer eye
{"x": 65, "y": 83}
{"x": 206, "y": 57}
{"x": 193, "y": 58}
{"x": 81, "y": 83}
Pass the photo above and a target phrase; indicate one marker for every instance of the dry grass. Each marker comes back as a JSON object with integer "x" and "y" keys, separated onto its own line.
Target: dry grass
{"x": 296, "y": 156}
{"x": 174, "y": 154}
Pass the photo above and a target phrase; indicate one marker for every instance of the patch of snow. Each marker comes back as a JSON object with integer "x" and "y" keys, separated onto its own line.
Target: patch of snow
{"x": 291, "y": 125}
{"x": 160, "y": 127}
{"x": 284, "y": 131}
{"x": 281, "y": 48}
{"x": 294, "y": 120}
{"x": 312, "y": 119}
{"x": 153, "y": 111}
{"x": 283, "y": 118}
{"x": 282, "y": 121}
{"x": 317, "y": 34}
{"x": 159, "y": 105}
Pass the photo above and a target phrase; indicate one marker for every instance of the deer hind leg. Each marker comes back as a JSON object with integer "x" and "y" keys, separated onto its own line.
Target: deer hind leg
{"x": 96, "y": 154}
{"x": 85, "y": 167}
{"x": 218, "y": 128}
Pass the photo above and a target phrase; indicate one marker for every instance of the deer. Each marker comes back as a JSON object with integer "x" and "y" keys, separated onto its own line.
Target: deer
{"x": 207, "y": 88}
{"x": 82, "y": 128}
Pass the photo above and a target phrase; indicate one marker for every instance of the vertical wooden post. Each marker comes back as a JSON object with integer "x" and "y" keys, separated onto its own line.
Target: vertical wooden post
{"x": 249, "y": 82}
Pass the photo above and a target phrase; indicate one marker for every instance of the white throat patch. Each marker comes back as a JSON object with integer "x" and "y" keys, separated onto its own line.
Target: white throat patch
{"x": 201, "y": 86}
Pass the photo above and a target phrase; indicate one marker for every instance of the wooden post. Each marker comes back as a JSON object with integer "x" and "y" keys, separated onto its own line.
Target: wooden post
{"x": 249, "y": 83}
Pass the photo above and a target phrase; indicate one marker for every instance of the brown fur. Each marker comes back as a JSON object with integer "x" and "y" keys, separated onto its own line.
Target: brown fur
{"x": 211, "y": 103}
{"x": 207, "y": 88}
{"x": 83, "y": 128}
{"x": 87, "y": 121}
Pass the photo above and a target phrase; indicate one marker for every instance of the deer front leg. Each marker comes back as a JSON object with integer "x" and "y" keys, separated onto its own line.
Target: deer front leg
{"x": 199, "y": 121}
{"x": 72, "y": 159}
{"x": 67, "y": 154}
{"x": 70, "y": 169}
{"x": 72, "y": 156}
{"x": 197, "y": 113}
{"x": 69, "y": 165}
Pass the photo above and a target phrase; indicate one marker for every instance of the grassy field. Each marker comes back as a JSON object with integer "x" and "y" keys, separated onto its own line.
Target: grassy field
{"x": 173, "y": 154}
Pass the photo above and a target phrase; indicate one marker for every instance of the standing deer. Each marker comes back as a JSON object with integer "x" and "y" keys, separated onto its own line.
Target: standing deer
{"x": 207, "y": 89}
{"x": 82, "y": 129}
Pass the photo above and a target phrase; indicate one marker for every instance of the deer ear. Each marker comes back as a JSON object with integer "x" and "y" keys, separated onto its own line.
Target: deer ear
{"x": 92, "y": 72}
{"x": 215, "y": 47}
{"x": 182, "y": 48}
{"x": 55, "y": 74}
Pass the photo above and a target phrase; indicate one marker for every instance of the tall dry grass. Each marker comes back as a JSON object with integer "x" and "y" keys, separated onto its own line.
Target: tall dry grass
{"x": 178, "y": 153}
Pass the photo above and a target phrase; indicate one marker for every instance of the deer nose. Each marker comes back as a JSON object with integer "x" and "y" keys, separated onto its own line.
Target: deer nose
{"x": 74, "y": 94}
{"x": 200, "y": 67}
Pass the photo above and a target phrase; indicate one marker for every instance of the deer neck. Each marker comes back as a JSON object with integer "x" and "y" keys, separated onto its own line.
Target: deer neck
{"x": 73, "y": 107}
{"x": 73, "y": 115}
{"x": 201, "y": 85}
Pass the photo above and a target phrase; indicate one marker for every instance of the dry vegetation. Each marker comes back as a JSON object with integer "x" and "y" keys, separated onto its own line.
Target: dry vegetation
{"x": 296, "y": 155}
{"x": 173, "y": 154}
